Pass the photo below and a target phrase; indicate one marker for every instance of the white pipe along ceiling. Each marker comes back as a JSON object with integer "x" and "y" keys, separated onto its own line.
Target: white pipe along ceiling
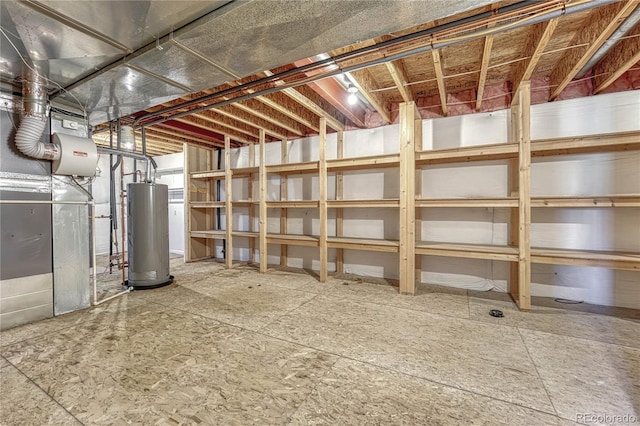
{"x": 119, "y": 57}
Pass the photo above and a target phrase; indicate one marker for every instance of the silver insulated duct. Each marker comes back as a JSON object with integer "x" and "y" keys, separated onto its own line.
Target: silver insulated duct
{"x": 148, "y": 235}
{"x": 33, "y": 122}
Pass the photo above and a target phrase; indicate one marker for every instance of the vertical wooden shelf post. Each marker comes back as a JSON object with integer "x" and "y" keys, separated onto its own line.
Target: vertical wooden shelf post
{"x": 228, "y": 255}
{"x": 417, "y": 123}
{"x": 252, "y": 216}
{"x": 197, "y": 159}
{"x": 520, "y": 181}
{"x": 340, "y": 212}
{"x": 322, "y": 178}
{"x": 284, "y": 195}
{"x": 407, "y": 213}
{"x": 263, "y": 204}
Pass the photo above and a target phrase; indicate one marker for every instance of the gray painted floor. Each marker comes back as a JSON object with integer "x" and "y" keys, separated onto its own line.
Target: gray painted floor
{"x": 237, "y": 347}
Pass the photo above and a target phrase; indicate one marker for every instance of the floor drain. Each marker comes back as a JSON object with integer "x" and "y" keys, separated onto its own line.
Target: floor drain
{"x": 496, "y": 313}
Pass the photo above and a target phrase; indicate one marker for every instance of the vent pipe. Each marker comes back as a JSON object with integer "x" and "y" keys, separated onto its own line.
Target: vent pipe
{"x": 33, "y": 119}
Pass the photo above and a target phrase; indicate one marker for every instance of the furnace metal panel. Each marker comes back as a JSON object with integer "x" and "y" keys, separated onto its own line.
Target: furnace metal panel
{"x": 71, "y": 279}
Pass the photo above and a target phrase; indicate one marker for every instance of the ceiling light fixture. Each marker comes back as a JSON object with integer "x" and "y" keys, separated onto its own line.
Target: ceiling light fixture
{"x": 352, "y": 99}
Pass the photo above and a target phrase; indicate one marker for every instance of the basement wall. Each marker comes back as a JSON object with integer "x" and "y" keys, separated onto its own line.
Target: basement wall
{"x": 577, "y": 228}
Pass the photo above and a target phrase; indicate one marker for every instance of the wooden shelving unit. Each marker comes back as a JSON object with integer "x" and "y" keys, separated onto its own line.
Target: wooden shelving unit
{"x": 203, "y": 201}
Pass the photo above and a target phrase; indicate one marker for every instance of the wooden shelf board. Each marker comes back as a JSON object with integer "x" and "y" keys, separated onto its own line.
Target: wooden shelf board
{"x": 389, "y": 246}
{"x": 606, "y": 259}
{"x": 208, "y": 174}
{"x": 206, "y": 204}
{"x": 467, "y": 202}
{"x": 243, "y": 203}
{"x": 245, "y": 234}
{"x": 338, "y": 204}
{"x": 208, "y": 234}
{"x": 359, "y": 163}
{"x": 294, "y": 240}
{"x": 244, "y": 171}
{"x": 300, "y": 204}
{"x": 474, "y": 251}
{"x": 470, "y": 153}
{"x": 622, "y": 141}
{"x": 587, "y": 201}
{"x": 301, "y": 168}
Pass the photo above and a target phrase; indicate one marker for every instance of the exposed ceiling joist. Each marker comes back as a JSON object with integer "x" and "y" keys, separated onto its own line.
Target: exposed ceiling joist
{"x": 303, "y": 99}
{"x": 169, "y": 134}
{"x": 537, "y": 41}
{"x": 259, "y": 110}
{"x": 597, "y": 28}
{"x": 226, "y": 123}
{"x": 286, "y": 106}
{"x": 251, "y": 120}
{"x": 482, "y": 80}
{"x": 399, "y": 76}
{"x": 623, "y": 55}
{"x": 202, "y": 124}
{"x": 440, "y": 77}
{"x": 367, "y": 86}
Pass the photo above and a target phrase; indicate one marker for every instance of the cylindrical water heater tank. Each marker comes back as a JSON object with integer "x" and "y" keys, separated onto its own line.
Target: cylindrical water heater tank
{"x": 148, "y": 235}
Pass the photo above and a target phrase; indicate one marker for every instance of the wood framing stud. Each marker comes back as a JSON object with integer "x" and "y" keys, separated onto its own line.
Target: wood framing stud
{"x": 599, "y": 25}
{"x": 252, "y": 216}
{"x": 284, "y": 195}
{"x": 340, "y": 211}
{"x": 437, "y": 65}
{"x": 263, "y": 204}
{"x": 228, "y": 255}
{"x": 408, "y": 111}
{"x": 322, "y": 178}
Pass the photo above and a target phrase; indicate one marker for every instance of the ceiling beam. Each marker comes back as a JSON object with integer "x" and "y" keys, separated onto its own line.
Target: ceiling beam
{"x": 286, "y": 106}
{"x": 624, "y": 54}
{"x": 367, "y": 86}
{"x": 539, "y": 37}
{"x": 202, "y": 124}
{"x": 260, "y": 110}
{"x": 304, "y": 98}
{"x": 596, "y": 30}
{"x": 335, "y": 94}
{"x": 174, "y": 134}
{"x": 482, "y": 80}
{"x": 437, "y": 65}
{"x": 244, "y": 117}
{"x": 226, "y": 122}
{"x": 399, "y": 76}
{"x": 199, "y": 132}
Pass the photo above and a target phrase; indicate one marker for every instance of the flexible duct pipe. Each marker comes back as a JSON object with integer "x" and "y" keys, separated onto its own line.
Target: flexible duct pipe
{"x": 33, "y": 122}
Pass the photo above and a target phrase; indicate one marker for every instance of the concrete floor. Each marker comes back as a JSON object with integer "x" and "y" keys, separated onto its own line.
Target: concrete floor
{"x": 236, "y": 347}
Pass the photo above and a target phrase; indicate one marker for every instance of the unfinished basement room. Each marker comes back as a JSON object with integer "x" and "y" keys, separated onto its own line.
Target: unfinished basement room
{"x": 320, "y": 212}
